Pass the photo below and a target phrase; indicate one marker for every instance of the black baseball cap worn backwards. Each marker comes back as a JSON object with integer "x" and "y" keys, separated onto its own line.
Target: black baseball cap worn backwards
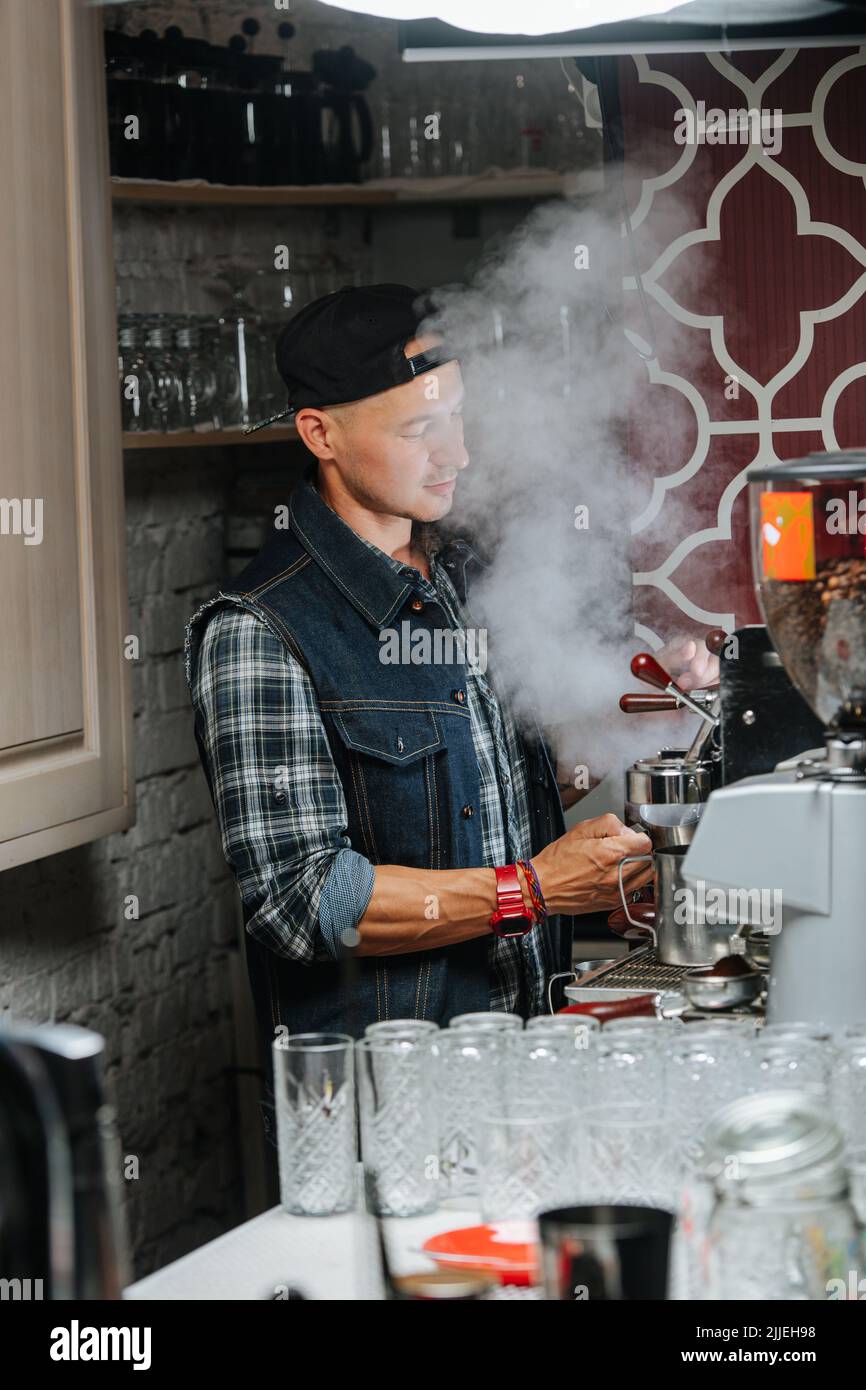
{"x": 350, "y": 344}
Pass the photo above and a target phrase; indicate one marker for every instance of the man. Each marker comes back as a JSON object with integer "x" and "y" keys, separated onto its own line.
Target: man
{"x": 374, "y": 811}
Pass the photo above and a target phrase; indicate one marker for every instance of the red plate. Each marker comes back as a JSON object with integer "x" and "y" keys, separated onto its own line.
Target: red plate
{"x": 508, "y": 1249}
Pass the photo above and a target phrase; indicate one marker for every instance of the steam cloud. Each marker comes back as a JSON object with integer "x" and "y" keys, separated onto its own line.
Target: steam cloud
{"x": 549, "y": 377}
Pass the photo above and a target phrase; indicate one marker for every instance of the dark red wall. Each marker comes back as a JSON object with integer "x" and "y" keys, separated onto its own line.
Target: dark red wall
{"x": 774, "y": 251}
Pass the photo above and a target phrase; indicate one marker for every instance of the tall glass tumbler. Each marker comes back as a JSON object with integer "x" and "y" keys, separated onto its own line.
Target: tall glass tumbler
{"x": 709, "y": 1065}
{"x": 567, "y": 1023}
{"x": 397, "y": 1027}
{"x": 791, "y": 1063}
{"x": 554, "y": 1064}
{"x": 855, "y": 1163}
{"x": 487, "y": 1018}
{"x": 628, "y": 1155}
{"x": 633, "y": 1066}
{"x": 848, "y": 1086}
{"x": 471, "y": 1072}
{"x": 526, "y": 1158}
{"x": 314, "y": 1086}
{"x": 399, "y": 1122}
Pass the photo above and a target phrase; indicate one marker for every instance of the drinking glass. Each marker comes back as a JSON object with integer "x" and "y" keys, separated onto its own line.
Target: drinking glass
{"x": 471, "y": 1070}
{"x": 708, "y": 1066}
{"x": 632, "y": 1066}
{"x": 526, "y": 1158}
{"x": 848, "y": 1086}
{"x": 315, "y": 1106}
{"x": 783, "y": 1063}
{"x": 491, "y": 1018}
{"x": 627, "y": 1155}
{"x": 555, "y": 1064}
{"x": 658, "y": 1026}
{"x": 406, "y": 1027}
{"x": 399, "y": 1131}
{"x": 586, "y": 1023}
{"x": 855, "y": 1163}
{"x": 820, "y": 1032}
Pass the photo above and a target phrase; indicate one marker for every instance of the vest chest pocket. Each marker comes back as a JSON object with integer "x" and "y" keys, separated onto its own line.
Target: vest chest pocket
{"x": 389, "y": 761}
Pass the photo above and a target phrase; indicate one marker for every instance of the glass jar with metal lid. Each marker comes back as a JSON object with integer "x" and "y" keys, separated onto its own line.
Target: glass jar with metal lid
{"x": 166, "y": 403}
{"x": 197, "y": 374}
{"x": 136, "y": 380}
{"x": 782, "y": 1224}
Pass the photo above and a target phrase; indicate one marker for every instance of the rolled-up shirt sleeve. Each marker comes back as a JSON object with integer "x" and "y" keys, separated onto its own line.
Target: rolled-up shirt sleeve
{"x": 279, "y": 801}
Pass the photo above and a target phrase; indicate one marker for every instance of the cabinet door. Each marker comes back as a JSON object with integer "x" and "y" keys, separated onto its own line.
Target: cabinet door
{"x": 64, "y": 695}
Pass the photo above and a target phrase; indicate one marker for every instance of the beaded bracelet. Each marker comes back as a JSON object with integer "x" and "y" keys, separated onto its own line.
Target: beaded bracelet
{"x": 535, "y": 893}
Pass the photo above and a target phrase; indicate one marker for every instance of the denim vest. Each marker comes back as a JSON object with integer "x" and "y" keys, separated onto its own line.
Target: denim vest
{"x": 401, "y": 740}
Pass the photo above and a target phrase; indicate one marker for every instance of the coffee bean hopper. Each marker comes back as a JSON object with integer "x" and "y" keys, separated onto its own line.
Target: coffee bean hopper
{"x": 786, "y": 849}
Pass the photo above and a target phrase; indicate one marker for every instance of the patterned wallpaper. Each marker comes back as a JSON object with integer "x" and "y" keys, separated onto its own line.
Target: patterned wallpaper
{"x": 758, "y": 301}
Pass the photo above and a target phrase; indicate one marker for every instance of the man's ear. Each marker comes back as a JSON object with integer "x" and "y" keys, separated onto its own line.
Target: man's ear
{"x": 314, "y": 428}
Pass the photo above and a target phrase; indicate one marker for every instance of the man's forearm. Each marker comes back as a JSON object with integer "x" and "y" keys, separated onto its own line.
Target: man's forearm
{"x": 419, "y": 909}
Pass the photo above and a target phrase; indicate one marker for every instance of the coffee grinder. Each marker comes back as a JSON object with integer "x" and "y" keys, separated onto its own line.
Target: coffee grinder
{"x": 788, "y": 848}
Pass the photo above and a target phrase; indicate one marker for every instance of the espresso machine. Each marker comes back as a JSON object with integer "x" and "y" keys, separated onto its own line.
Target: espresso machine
{"x": 796, "y": 836}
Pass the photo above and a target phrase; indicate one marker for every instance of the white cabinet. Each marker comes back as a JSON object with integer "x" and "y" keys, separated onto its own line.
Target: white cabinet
{"x": 65, "y": 724}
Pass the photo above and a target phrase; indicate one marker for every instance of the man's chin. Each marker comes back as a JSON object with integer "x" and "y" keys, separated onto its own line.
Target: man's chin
{"x": 433, "y": 506}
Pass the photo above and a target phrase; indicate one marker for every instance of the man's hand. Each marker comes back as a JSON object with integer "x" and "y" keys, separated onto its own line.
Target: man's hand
{"x": 688, "y": 662}
{"x": 578, "y": 872}
{"x": 608, "y": 824}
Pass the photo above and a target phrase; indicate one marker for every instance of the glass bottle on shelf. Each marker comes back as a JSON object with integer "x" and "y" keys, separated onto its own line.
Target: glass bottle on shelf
{"x": 243, "y": 388}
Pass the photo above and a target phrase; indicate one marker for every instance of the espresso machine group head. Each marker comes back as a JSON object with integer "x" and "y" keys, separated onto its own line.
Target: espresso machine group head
{"x": 792, "y": 843}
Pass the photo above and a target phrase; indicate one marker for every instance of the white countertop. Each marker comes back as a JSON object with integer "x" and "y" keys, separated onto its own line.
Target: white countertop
{"x": 326, "y": 1257}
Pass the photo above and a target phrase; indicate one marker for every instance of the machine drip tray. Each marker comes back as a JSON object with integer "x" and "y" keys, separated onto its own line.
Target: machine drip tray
{"x": 641, "y": 972}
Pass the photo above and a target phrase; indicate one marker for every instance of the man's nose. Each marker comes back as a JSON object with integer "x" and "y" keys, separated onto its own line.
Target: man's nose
{"x": 451, "y": 451}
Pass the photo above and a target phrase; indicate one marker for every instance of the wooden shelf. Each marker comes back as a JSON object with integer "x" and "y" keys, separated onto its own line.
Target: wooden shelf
{"x": 380, "y": 192}
{"x": 199, "y": 439}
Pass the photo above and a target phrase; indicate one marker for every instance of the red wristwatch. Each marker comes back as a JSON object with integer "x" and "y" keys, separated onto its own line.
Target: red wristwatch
{"x": 510, "y": 917}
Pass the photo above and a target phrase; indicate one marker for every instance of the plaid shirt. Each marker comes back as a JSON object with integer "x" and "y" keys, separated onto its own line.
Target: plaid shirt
{"x": 297, "y": 874}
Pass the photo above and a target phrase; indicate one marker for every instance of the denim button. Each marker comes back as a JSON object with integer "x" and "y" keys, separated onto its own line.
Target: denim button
{"x": 467, "y": 812}
{"x": 416, "y": 605}
{"x": 459, "y": 696}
